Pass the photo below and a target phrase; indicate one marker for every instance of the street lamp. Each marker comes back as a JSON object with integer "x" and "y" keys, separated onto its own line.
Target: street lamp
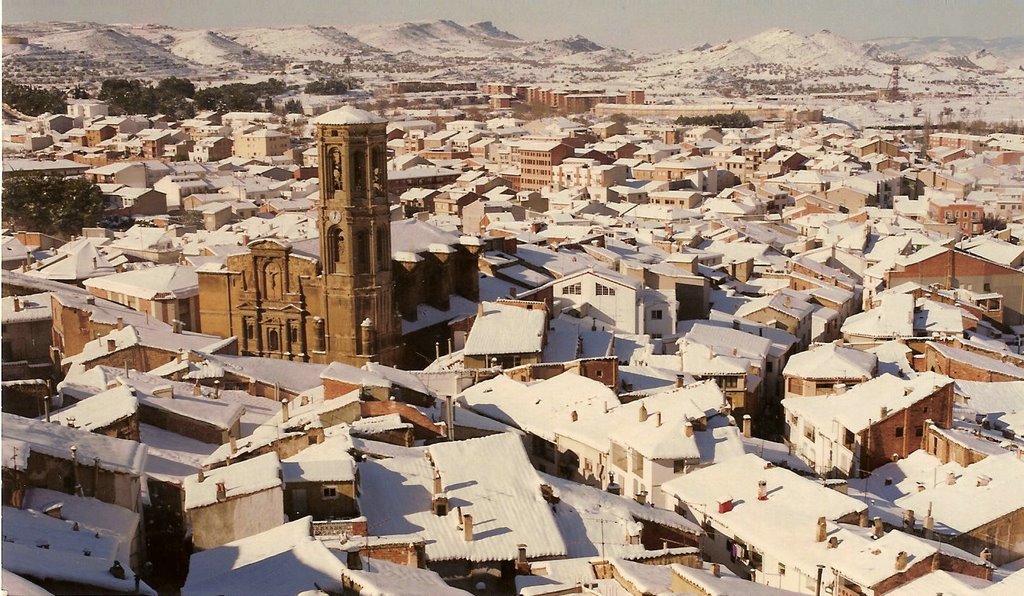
{"x": 817, "y": 585}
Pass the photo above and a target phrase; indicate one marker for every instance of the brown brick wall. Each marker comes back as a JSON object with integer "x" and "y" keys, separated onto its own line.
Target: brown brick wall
{"x": 954, "y": 269}
{"x": 880, "y": 442}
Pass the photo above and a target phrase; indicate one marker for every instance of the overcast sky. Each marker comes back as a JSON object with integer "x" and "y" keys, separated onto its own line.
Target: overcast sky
{"x": 641, "y": 24}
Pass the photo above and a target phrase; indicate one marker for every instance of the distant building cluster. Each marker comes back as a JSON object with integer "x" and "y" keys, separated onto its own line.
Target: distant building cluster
{"x": 415, "y": 352}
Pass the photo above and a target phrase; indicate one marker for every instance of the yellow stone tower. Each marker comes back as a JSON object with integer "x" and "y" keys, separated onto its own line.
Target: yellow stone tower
{"x": 359, "y": 315}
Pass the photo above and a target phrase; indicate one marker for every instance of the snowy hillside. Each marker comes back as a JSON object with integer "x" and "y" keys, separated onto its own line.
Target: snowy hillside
{"x": 773, "y": 62}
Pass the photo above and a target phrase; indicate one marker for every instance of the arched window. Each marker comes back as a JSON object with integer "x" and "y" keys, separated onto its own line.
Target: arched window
{"x": 335, "y": 245}
{"x": 379, "y": 174}
{"x": 273, "y": 341}
{"x": 358, "y": 171}
{"x": 335, "y": 161}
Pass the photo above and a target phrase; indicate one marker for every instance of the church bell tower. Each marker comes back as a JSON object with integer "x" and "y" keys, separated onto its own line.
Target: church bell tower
{"x": 360, "y": 320}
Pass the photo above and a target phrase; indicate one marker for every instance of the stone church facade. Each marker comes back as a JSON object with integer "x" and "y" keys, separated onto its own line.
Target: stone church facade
{"x": 336, "y": 298}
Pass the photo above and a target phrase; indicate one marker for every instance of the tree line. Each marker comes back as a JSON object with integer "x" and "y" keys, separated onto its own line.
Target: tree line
{"x": 50, "y": 204}
{"x": 725, "y": 120}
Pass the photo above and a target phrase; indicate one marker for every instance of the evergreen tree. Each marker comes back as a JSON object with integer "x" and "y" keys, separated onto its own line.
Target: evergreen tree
{"x": 50, "y": 204}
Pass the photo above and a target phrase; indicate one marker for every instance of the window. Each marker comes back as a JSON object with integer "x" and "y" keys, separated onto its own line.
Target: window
{"x": 769, "y": 364}
{"x": 899, "y": 431}
{"x": 656, "y": 315}
{"x": 602, "y": 290}
{"x": 638, "y": 463}
{"x": 618, "y": 456}
{"x": 678, "y": 466}
{"x": 919, "y": 431}
{"x": 573, "y": 290}
{"x": 987, "y": 287}
{"x": 330, "y": 492}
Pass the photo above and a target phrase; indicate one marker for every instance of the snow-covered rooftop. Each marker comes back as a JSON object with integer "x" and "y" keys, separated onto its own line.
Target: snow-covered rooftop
{"x": 243, "y": 478}
{"x": 490, "y": 478}
{"x": 348, "y": 115}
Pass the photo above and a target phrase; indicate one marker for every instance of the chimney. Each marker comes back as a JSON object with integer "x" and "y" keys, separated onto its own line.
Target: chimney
{"x": 439, "y": 502}
{"x": 521, "y": 554}
{"x": 929, "y": 525}
{"x": 467, "y": 527}
{"x": 120, "y": 323}
{"x": 17, "y": 304}
{"x": 950, "y": 478}
{"x": 643, "y": 413}
{"x": 688, "y": 428}
{"x": 200, "y": 476}
{"x": 222, "y": 492}
{"x": 877, "y": 530}
{"x": 883, "y": 412}
{"x": 574, "y": 416}
{"x": 90, "y": 300}
{"x": 762, "y": 490}
{"x": 901, "y": 560}
{"x": 862, "y": 519}
{"x": 164, "y": 391}
{"x": 111, "y": 345}
{"x": 833, "y": 542}
{"x": 747, "y": 425}
{"x": 284, "y": 409}
{"x": 986, "y": 554}
{"x": 821, "y": 531}
{"x": 657, "y": 418}
{"x": 234, "y": 443}
{"x": 983, "y": 480}
{"x": 908, "y": 520}
{"x": 716, "y": 570}
{"x": 839, "y": 388}
{"x": 176, "y": 326}
{"x": 197, "y": 389}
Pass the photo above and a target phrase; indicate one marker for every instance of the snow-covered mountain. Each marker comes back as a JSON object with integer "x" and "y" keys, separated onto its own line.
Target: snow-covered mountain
{"x": 775, "y": 61}
{"x": 432, "y": 38}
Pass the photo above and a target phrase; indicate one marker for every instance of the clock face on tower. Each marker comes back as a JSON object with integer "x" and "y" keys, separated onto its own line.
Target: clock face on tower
{"x": 334, "y": 216}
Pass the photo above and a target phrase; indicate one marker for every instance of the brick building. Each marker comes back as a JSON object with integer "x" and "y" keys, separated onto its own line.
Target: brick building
{"x": 855, "y": 431}
{"x": 537, "y": 161}
{"x": 957, "y": 269}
